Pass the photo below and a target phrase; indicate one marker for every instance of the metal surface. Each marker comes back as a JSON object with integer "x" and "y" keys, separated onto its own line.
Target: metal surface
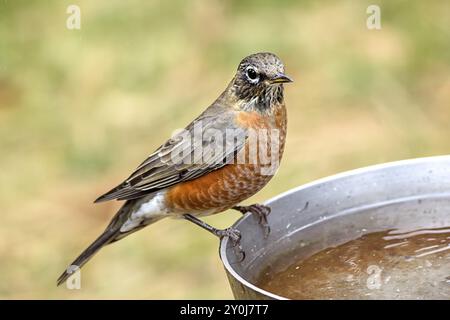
{"x": 406, "y": 195}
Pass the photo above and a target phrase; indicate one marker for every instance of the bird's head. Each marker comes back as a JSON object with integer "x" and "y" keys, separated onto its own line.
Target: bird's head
{"x": 258, "y": 83}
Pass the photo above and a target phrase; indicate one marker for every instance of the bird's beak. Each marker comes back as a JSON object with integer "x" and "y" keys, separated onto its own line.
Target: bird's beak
{"x": 280, "y": 78}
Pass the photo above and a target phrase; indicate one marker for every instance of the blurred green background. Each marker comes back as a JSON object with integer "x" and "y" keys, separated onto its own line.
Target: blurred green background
{"x": 80, "y": 109}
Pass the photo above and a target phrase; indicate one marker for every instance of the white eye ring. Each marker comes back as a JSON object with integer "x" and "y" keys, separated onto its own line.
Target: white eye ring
{"x": 252, "y": 74}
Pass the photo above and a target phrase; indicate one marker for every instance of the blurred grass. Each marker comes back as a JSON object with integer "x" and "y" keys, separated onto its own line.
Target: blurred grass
{"x": 80, "y": 109}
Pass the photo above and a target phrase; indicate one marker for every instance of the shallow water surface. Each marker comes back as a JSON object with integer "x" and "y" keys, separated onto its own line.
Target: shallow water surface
{"x": 381, "y": 265}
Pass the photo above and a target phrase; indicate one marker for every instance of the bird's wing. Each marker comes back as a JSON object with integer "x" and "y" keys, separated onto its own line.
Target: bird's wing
{"x": 210, "y": 142}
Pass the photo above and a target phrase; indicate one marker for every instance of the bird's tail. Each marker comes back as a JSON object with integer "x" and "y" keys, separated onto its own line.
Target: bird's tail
{"x": 105, "y": 238}
{"x": 111, "y": 234}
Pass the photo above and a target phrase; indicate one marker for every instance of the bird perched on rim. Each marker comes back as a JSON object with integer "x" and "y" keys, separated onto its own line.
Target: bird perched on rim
{"x": 223, "y": 157}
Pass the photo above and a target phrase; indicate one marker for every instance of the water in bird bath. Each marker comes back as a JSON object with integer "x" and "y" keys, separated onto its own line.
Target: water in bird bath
{"x": 380, "y": 265}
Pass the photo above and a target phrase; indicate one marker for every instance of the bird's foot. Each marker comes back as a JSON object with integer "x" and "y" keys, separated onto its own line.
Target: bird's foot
{"x": 260, "y": 211}
{"x": 233, "y": 234}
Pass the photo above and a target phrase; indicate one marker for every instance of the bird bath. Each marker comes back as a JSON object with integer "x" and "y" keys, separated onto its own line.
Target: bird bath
{"x": 403, "y": 197}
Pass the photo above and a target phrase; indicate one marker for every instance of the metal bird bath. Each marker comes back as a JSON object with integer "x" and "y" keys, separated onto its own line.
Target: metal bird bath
{"x": 405, "y": 195}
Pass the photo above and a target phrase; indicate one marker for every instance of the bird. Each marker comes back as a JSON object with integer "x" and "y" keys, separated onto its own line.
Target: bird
{"x": 218, "y": 160}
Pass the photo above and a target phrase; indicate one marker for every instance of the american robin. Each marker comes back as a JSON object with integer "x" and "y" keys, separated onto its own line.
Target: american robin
{"x": 223, "y": 157}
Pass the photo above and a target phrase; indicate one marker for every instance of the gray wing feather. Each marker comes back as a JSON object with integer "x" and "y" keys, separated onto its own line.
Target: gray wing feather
{"x": 181, "y": 158}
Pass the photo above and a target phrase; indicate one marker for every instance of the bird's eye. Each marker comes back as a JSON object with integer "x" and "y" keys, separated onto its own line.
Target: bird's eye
{"x": 252, "y": 75}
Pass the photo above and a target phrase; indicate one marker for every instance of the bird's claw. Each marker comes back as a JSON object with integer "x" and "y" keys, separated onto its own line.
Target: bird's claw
{"x": 235, "y": 237}
{"x": 261, "y": 212}
{"x": 233, "y": 234}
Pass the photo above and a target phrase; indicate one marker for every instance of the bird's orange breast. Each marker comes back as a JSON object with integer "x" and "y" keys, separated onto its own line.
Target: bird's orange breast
{"x": 233, "y": 183}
